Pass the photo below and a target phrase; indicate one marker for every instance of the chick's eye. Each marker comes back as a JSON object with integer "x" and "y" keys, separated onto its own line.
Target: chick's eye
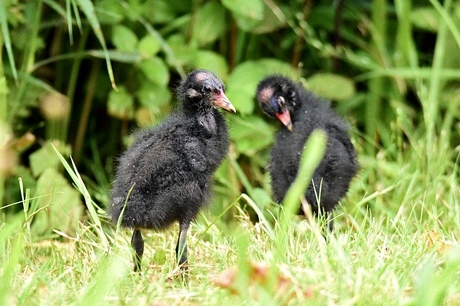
{"x": 207, "y": 88}
{"x": 281, "y": 101}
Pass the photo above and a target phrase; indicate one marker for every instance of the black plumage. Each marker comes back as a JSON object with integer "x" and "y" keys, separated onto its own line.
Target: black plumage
{"x": 166, "y": 175}
{"x": 301, "y": 112}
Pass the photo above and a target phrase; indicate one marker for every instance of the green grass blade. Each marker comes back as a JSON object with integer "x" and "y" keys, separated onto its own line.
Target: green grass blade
{"x": 73, "y": 172}
{"x": 262, "y": 219}
{"x": 68, "y": 16}
{"x": 6, "y": 38}
{"x": 410, "y": 73}
{"x": 25, "y": 196}
{"x": 241, "y": 176}
{"x": 404, "y": 40}
{"x": 311, "y": 157}
{"x": 12, "y": 246}
{"x": 431, "y": 103}
{"x": 56, "y": 7}
{"x": 88, "y": 9}
{"x": 451, "y": 24}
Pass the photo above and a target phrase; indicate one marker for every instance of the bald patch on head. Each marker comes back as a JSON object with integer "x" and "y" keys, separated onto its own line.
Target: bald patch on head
{"x": 202, "y": 75}
{"x": 265, "y": 94}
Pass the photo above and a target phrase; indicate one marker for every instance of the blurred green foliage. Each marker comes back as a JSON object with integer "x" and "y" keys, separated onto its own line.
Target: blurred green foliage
{"x": 117, "y": 63}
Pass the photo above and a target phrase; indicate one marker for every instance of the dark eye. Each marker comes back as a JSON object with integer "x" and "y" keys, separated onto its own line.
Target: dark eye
{"x": 207, "y": 88}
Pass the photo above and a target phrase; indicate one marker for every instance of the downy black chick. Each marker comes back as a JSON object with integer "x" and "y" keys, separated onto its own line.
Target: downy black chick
{"x": 166, "y": 175}
{"x": 301, "y": 112}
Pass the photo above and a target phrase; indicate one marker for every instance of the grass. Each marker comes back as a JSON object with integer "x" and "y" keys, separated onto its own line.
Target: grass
{"x": 396, "y": 234}
{"x": 394, "y": 244}
{"x": 376, "y": 261}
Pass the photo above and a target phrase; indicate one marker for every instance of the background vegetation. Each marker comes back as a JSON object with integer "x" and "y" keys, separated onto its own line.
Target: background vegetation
{"x": 83, "y": 75}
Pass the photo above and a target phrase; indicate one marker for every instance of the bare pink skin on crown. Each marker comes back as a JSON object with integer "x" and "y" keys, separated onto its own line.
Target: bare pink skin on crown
{"x": 265, "y": 94}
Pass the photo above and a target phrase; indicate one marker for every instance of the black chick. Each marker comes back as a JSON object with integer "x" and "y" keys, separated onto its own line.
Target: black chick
{"x": 166, "y": 175}
{"x": 301, "y": 112}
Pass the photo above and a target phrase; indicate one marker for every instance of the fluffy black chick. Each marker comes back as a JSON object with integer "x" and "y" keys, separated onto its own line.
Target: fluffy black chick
{"x": 301, "y": 112}
{"x": 166, "y": 175}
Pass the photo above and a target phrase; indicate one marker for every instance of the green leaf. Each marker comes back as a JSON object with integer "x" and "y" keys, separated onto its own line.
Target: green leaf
{"x": 121, "y": 104}
{"x": 153, "y": 95}
{"x": 124, "y": 39}
{"x": 213, "y": 62}
{"x": 250, "y": 134}
{"x": 180, "y": 54}
{"x": 44, "y": 158}
{"x": 269, "y": 23}
{"x": 62, "y": 202}
{"x": 253, "y": 9}
{"x": 241, "y": 86}
{"x": 170, "y": 56}
{"x": 109, "y": 11}
{"x": 149, "y": 46}
{"x": 243, "y": 81}
{"x": 158, "y": 11}
{"x": 209, "y": 24}
{"x": 155, "y": 70}
{"x": 331, "y": 86}
{"x": 425, "y": 18}
{"x": 133, "y": 10}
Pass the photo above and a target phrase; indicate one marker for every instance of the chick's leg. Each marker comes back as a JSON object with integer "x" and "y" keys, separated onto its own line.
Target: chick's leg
{"x": 138, "y": 245}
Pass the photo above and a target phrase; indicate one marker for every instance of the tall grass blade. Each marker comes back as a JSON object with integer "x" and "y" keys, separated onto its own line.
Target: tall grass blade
{"x": 25, "y": 196}
{"x": 68, "y": 11}
{"x": 431, "y": 103}
{"x": 262, "y": 219}
{"x": 373, "y": 105}
{"x": 88, "y": 9}
{"x": 77, "y": 14}
{"x": 404, "y": 38}
{"x": 76, "y": 178}
{"x": 311, "y": 157}
{"x": 7, "y": 39}
{"x": 451, "y": 24}
{"x": 12, "y": 248}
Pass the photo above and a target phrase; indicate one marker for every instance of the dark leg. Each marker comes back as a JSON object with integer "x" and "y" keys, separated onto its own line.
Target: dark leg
{"x": 138, "y": 244}
{"x": 181, "y": 247}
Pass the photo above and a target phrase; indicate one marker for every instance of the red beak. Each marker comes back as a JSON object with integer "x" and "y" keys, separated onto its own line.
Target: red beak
{"x": 285, "y": 119}
{"x": 222, "y": 101}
